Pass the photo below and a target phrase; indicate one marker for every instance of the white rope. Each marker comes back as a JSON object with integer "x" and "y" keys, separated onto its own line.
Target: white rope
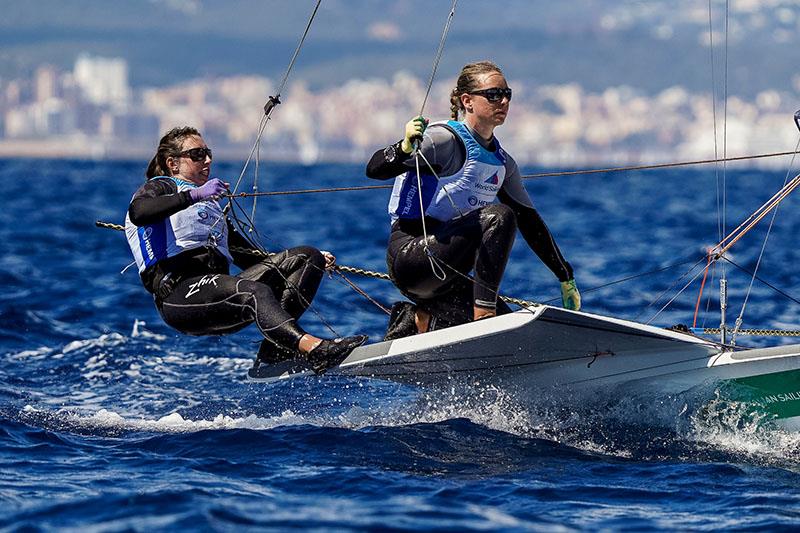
{"x": 446, "y": 192}
{"x": 437, "y": 270}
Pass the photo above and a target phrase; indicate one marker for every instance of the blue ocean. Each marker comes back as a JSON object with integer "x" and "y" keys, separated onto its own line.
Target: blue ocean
{"x": 111, "y": 421}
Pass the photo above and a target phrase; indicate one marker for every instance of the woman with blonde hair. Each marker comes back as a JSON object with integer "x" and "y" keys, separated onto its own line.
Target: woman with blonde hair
{"x": 468, "y": 201}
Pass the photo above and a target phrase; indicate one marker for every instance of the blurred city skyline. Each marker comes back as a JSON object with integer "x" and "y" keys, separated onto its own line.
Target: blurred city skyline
{"x": 594, "y": 82}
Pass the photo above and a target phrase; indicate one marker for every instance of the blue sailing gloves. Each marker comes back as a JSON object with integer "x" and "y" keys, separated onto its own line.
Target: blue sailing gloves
{"x": 570, "y": 297}
{"x": 414, "y": 130}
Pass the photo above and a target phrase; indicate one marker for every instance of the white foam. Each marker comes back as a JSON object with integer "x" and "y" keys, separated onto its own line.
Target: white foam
{"x": 103, "y": 341}
{"x": 733, "y": 427}
{"x": 171, "y": 423}
{"x": 38, "y": 353}
{"x": 138, "y": 330}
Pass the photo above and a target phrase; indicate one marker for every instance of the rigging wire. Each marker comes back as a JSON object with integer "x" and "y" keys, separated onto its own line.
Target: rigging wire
{"x": 668, "y": 289}
{"x": 339, "y": 269}
{"x": 714, "y": 114}
{"x": 725, "y": 129}
{"x": 273, "y": 101}
{"x": 248, "y": 230}
{"x": 532, "y": 176}
{"x": 269, "y": 106}
{"x": 721, "y": 187}
{"x": 739, "y": 319}
{"x": 436, "y": 269}
{"x": 438, "y": 56}
{"x": 765, "y": 282}
{"x": 686, "y": 286}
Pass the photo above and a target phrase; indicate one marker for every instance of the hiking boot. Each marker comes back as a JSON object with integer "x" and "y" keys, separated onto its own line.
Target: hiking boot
{"x": 401, "y": 321}
{"x": 331, "y": 352}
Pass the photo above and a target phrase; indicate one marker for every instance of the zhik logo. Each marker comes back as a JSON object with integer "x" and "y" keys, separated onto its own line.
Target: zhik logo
{"x": 195, "y": 287}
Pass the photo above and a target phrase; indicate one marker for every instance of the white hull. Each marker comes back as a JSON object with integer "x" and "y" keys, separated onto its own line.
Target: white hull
{"x": 543, "y": 347}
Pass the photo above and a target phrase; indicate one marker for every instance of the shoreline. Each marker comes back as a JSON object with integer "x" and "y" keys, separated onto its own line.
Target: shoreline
{"x": 102, "y": 149}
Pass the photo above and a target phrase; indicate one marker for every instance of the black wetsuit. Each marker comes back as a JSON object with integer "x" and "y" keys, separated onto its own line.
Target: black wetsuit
{"x": 478, "y": 242}
{"x": 195, "y": 293}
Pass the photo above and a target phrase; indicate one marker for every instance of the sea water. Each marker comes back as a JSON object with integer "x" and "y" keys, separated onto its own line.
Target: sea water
{"x": 110, "y": 420}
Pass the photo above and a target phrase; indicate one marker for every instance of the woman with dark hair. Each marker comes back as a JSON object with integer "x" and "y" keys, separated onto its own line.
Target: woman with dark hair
{"x": 472, "y": 202}
{"x": 184, "y": 245}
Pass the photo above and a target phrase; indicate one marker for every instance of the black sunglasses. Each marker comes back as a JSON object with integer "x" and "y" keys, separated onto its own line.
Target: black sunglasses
{"x": 495, "y": 94}
{"x": 197, "y": 154}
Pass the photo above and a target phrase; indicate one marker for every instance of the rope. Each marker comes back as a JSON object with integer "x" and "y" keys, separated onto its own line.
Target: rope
{"x": 439, "y": 51}
{"x": 362, "y": 292}
{"x": 768, "y": 284}
{"x": 726, "y": 243}
{"x": 338, "y": 268}
{"x": 532, "y": 176}
{"x": 437, "y": 270}
{"x": 714, "y": 118}
{"x": 739, "y": 319}
{"x": 269, "y": 106}
{"x": 700, "y": 293}
{"x": 754, "y": 332}
{"x": 522, "y": 303}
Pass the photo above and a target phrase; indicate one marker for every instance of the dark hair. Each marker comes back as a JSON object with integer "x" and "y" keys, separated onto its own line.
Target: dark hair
{"x": 169, "y": 146}
{"x": 467, "y": 82}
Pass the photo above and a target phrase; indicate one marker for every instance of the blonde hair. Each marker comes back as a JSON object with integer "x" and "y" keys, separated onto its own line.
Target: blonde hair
{"x": 467, "y": 82}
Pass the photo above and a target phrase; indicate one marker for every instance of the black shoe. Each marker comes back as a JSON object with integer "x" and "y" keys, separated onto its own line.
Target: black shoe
{"x": 401, "y": 321}
{"x": 273, "y": 360}
{"x": 331, "y": 352}
{"x": 270, "y": 353}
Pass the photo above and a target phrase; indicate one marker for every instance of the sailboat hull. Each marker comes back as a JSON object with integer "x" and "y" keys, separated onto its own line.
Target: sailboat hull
{"x": 542, "y": 349}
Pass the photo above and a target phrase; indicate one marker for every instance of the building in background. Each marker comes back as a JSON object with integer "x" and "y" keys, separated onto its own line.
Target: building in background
{"x": 93, "y": 112}
{"x": 103, "y": 81}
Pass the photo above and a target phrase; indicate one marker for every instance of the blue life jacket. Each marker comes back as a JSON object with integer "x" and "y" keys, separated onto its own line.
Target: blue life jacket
{"x": 200, "y": 224}
{"x": 474, "y": 185}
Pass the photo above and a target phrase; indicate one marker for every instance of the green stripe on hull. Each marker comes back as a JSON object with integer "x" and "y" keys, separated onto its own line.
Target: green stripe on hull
{"x": 777, "y": 393}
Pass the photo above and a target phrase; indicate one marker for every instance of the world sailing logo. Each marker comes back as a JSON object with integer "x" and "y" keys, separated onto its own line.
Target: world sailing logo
{"x": 490, "y": 184}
